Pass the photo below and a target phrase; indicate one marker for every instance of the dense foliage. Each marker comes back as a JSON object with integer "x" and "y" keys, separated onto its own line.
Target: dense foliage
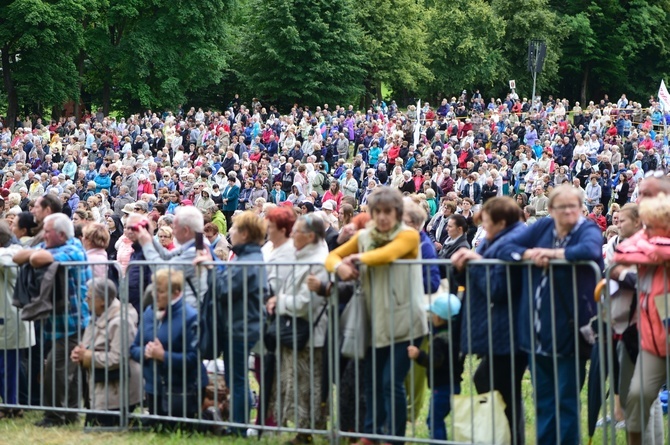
{"x": 128, "y": 55}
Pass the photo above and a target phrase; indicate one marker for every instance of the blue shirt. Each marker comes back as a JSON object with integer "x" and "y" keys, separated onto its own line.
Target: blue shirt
{"x": 78, "y": 315}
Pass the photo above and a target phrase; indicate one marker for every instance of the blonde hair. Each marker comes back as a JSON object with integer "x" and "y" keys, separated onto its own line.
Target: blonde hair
{"x": 97, "y": 235}
{"x": 252, "y": 224}
{"x": 169, "y": 277}
{"x": 167, "y": 230}
{"x": 415, "y": 213}
{"x": 656, "y": 211}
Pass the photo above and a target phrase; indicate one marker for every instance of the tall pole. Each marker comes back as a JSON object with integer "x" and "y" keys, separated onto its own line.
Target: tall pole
{"x": 536, "y": 54}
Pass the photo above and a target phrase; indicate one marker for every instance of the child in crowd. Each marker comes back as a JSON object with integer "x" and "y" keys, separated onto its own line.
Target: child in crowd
{"x": 442, "y": 361}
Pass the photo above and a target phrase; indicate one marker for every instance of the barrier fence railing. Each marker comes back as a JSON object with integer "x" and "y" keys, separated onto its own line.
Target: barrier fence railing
{"x": 515, "y": 357}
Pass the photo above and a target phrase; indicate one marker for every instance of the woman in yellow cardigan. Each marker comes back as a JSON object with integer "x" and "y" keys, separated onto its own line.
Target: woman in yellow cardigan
{"x": 393, "y": 295}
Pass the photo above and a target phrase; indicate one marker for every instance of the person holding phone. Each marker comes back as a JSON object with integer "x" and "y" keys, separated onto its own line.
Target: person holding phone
{"x": 188, "y": 223}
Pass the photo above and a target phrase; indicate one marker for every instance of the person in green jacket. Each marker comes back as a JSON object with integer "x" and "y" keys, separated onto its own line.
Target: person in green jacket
{"x": 432, "y": 201}
{"x": 218, "y": 219}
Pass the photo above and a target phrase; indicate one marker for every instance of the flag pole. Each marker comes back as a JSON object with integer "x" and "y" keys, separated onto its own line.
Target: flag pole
{"x": 664, "y": 102}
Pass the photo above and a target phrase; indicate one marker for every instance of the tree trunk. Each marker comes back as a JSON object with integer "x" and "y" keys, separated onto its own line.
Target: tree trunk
{"x": 585, "y": 85}
{"x": 76, "y": 110}
{"x": 56, "y": 112}
{"x": 106, "y": 97}
{"x": 12, "y": 95}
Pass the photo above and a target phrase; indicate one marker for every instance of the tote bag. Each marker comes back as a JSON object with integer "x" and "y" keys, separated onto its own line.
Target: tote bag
{"x": 355, "y": 326}
{"x": 480, "y": 418}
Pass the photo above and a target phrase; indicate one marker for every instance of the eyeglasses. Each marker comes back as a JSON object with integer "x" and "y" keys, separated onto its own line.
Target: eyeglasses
{"x": 566, "y": 207}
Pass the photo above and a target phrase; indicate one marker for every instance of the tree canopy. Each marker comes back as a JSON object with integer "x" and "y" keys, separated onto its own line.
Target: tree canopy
{"x": 129, "y": 55}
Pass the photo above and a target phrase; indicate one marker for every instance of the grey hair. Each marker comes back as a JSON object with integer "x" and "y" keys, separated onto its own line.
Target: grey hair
{"x": 169, "y": 219}
{"x": 189, "y": 217}
{"x": 5, "y": 234}
{"x": 61, "y": 224}
{"x": 103, "y": 288}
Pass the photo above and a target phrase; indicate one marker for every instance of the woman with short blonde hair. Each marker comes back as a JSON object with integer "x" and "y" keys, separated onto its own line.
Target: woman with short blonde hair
{"x": 96, "y": 240}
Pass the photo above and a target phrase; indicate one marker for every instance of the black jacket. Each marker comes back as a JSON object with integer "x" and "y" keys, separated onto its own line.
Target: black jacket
{"x": 444, "y": 354}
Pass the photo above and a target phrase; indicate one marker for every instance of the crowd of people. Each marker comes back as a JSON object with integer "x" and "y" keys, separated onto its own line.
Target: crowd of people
{"x": 352, "y": 191}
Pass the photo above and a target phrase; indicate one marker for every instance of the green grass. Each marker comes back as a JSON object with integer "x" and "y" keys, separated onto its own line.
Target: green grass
{"x": 22, "y": 431}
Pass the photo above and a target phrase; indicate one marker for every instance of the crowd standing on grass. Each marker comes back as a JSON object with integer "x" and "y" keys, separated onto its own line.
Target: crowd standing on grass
{"x": 472, "y": 178}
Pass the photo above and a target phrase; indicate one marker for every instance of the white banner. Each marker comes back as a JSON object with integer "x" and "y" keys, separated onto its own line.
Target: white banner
{"x": 664, "y": 97}
{"x": 417, "y": 126}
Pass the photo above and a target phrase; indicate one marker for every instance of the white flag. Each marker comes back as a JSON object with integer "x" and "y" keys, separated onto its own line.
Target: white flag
{"x": 664, "y": 97}
{"x": 417, "y": 126}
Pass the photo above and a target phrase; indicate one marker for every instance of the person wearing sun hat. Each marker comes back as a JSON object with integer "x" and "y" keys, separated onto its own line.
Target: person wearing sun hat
{"x": 441, "y": 360}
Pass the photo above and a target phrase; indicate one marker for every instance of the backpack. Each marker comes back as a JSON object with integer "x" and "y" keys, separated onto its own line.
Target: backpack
{"x": 210, "y": 308}
{"x": 326, "y": 182}
{"x": 114, "y": 274}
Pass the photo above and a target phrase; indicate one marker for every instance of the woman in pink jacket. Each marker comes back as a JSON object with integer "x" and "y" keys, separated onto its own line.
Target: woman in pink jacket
{"x": 647, "y": 249}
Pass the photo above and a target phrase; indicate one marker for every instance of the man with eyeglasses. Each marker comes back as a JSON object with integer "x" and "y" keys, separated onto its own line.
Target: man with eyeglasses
{"x": 188, "y": 221}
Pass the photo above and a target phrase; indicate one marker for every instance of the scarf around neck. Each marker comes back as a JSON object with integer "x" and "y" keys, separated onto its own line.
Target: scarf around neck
{"x": 379, "y": 239}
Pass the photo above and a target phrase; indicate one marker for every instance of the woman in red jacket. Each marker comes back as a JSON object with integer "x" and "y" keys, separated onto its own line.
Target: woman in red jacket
{"x": 394, "y": 152}
{"x": 647, "y": 249}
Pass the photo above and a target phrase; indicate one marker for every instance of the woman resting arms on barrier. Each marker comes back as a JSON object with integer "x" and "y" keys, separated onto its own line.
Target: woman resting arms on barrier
{"x": 487, "y": 317}
{"x": 547, "y": 315}
{"x": 645, "y": 249}
{"x": 393, "y": 297}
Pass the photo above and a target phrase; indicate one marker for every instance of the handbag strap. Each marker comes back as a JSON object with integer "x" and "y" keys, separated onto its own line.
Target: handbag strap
{"x": 325, "y": 306}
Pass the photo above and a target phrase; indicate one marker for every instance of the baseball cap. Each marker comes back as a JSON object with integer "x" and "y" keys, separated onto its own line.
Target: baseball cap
{"x": 445, "y": 306}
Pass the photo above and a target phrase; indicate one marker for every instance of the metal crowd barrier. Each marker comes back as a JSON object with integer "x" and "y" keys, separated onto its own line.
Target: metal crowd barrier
{"x": 250, "y": 389}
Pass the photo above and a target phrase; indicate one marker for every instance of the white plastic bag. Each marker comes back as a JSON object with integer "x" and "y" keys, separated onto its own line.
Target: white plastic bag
{"x": 355, "y": 326}
{"x": 480, "y": 418}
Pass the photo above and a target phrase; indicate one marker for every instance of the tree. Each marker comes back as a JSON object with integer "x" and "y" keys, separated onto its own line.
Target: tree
{"x": 525, "y": 21}
{"x": 303, "y": 51}
{"x": 614, "y": 47}
{"x": 646, "y": 51}
{"x": 586, "y": 55}
{"x": 395, "y": 45}
{"x": 38, "y": 42}
{"x": 465, "y": 46}
{"x": 153, "y": 52}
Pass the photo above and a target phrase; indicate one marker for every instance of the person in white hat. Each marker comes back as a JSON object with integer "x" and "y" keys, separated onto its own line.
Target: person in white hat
{"x": 329, "y": 215}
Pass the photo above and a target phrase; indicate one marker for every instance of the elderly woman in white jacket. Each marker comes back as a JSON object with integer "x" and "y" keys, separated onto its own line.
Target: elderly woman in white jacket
{"x": 15, "y": 335}
{"x": 301, "y": 370}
